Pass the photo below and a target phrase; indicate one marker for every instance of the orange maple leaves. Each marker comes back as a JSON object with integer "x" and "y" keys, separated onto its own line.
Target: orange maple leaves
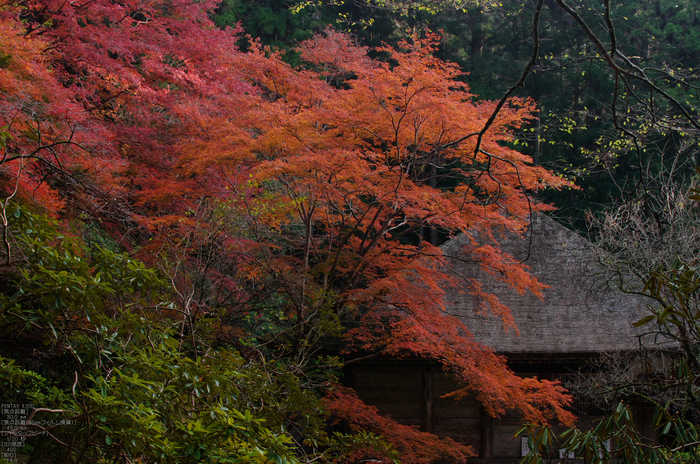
{"x": 314, "y": 189}
{"x": 368, "y": 155}
{"x": 413, "y": 446}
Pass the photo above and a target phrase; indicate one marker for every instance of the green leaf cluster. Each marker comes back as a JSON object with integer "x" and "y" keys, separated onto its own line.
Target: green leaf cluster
{"x": 112, "y": 372}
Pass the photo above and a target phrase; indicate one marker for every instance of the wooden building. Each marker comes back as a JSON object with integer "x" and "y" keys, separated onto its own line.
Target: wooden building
{"x": 575, "y": 321}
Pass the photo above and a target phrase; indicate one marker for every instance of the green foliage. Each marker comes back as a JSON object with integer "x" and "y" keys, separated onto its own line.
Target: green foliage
{"x": 119, "y": 374}
{"x": 5, "y": 60}
{"x": 616, "y": 439}
{"x": 571, "y": 83}
{"x": 162, "y": 405}
{"x": 271, "y": 21}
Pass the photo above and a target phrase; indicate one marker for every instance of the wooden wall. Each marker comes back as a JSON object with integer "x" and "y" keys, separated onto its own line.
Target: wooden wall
{"x": 411, "y": 393}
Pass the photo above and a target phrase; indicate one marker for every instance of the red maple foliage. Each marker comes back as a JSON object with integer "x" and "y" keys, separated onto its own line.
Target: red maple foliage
{"x": 310, "y": 191}
{"x": 107, "y": 92}
{"x": 359, "y": 157}
{"x": 412, "y": 445}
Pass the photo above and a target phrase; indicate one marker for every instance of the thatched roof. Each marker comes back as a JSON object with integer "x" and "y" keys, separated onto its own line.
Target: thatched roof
{"x": 577, "y": 315}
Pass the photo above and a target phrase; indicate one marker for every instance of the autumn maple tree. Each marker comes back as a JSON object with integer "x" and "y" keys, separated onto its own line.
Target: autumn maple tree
{"x": 357, "y": 158}
{"x": 280, "y": 206}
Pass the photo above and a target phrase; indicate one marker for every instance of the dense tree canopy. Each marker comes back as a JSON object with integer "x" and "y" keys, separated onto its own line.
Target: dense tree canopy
{"x": 614, "y": 83}
{"x": 185, "y": 225}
